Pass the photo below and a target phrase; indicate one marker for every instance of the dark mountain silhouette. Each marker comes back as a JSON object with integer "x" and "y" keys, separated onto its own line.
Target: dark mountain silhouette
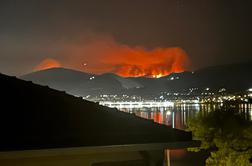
{"x": 233, "y": 77}
{"x": 35, "y": 117}
{"x": 58, "y": 78}
{"x": 99, "y": 84}
{"x": 83, "y": 84}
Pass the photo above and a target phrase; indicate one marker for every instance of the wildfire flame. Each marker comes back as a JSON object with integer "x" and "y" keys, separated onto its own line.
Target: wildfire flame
{"x": 108, "y": 56}
{"x": 155, "y": 63}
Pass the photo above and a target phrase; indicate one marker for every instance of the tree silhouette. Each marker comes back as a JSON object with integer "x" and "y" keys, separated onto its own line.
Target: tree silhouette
{"x": 227, "y": 134}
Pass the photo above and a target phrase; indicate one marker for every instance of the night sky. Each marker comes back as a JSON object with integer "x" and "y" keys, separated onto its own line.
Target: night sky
{"x": 211, "y": 32}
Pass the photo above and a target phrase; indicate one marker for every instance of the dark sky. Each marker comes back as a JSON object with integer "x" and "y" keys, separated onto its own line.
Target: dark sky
{"x": 210, "y": 31}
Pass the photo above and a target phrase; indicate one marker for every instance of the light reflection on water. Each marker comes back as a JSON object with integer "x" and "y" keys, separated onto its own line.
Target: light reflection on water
{"x": 178, "y": 116}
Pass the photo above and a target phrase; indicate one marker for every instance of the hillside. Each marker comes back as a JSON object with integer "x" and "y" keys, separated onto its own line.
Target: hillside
{"x": 37, "y": 117}
{"x": 58, "y": 78}
{"x": 233, "y": 77}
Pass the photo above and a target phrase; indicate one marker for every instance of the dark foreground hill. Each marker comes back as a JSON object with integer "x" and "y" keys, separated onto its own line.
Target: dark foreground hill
{"x": 35, "y": 117}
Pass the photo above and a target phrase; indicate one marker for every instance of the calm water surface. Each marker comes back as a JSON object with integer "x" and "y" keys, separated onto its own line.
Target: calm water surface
{"x": 177, "y": 117}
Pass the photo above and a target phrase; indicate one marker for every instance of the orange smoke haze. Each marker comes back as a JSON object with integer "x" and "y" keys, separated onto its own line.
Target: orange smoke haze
{"x": 155, "y": 63}
{"x": 47, "y": 64}
{"x": 106, "y": 55}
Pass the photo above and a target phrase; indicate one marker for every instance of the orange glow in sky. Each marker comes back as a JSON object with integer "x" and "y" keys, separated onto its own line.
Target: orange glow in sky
{"x": 105, "y": 55}
{"x": 47, "y": 64}
{"x": 154, "y": 63}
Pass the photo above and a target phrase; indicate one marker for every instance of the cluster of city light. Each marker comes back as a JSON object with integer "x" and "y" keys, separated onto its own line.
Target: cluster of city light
{"x": 91, "y": 78}
{"x": 194, "y": 101}
{"x": 136, "y": 104}
{"x": 112, "y": 97}
{"x": 210, "y": 93}
{"x": 220, "y": 99}
{"x": 185, "y": 97}
{"x": 173, "y": 78}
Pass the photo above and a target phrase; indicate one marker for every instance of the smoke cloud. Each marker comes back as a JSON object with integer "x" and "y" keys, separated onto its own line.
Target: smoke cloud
{"x": 104, "y": 54}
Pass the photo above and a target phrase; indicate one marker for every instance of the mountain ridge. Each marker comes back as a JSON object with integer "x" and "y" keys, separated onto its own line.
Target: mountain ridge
{"x": 234, "y": 77}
